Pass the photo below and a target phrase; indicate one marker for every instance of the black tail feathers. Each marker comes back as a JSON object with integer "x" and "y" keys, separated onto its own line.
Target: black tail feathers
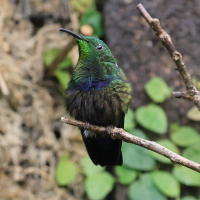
{"x": 104, "y": 151}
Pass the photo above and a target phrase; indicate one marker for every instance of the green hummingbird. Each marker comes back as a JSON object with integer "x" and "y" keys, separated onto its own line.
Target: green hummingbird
{"x": 98, "y": 93}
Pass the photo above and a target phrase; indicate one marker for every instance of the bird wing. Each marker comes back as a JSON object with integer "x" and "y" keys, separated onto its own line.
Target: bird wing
{"x": 103, "y": 150}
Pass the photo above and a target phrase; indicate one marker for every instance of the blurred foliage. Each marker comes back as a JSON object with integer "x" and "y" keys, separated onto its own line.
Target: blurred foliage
{"x": 129, "y": 122}
{"x": 82, "y": 5}
{"x": 66, "y": 171}
{"x": 136, "y": 157}
{"x": 89, "y": 168}
{"x": 158, "y": 90}
{"x": 166, "y": 183}
{"x": 185, "y": 136}
{"x": 196, "y": 83}
{"x": 155, "y": 184}
{"x": 125, "y": 175}
{"x": 192, "y": 152}
{"x": 145, "y": 188}
{"x": 153, "y": 118}
{"x": 188, "y": 198}
{"x": 186, "y": 176}
{"x": 193, "y": 114}
{"x": 61, "y": 72}
{"x": 50, "y": 55}
{"x": 89, "y": 15}
{"x": 94, "y": 19}
{"x": 98, "y": 185}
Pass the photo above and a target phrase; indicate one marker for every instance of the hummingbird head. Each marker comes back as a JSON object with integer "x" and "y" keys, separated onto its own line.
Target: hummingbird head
{"x": 91, "y": 48}
{"x": 95, "y": 59}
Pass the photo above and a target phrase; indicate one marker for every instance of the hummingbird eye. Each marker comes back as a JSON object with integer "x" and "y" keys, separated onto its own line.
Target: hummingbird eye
{"x": 99, "y": 47}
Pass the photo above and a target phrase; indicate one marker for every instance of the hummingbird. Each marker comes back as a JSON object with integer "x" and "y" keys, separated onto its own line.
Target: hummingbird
{"x": 98, "y": 93}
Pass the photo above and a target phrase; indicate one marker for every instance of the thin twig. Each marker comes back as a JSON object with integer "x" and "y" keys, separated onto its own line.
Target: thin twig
{"x": 119, "y": 133}
{"x": 52, "y": 67}
{"x": 3, "y": 86}
{"x": 191, "y": 93}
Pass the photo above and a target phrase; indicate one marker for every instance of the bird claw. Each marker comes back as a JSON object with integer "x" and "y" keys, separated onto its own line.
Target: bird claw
{"x": 109, "y": 129}
{"x": 87, "y": 125}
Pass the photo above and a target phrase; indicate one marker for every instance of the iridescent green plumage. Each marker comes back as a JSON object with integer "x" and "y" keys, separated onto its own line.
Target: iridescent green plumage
{"x": 98, "y": 93}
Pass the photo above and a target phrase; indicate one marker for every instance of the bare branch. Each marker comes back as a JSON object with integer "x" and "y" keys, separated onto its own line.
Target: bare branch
{"x": 181, "y": 95}
{"x": 191, "y": 93}
{"x": 119, "y": 133}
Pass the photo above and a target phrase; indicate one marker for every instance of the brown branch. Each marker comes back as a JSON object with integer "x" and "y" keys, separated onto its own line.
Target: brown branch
{"x": 52, "y": 67}
{"x": 119, "y": 133}
{"x": 191, "y": 93}
{"x": 181, "y": 95}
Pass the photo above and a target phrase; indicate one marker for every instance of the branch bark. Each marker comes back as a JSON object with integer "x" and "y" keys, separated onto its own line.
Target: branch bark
{"x": 119, "y": 133}
{"x": 191, "y": 92}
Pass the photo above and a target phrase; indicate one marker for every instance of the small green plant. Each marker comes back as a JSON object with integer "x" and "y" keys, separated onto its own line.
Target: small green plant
{"x": 158, "y": 90}
{"x": 66, "y": 171}
{"x": 153, "y": 118}
{"x": 61, "y": 72}
{"x": 93, "y": 18}
{"x": 98, "y": 182}
{"x": 193, "y": 114}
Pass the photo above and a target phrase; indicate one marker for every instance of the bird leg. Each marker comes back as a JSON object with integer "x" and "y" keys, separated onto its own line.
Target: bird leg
{"x": 87, "y": 126}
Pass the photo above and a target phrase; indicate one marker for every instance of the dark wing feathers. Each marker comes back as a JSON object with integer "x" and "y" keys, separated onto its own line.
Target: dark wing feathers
{"x": 104, "y": 150}
{"x": 99, "y": 108}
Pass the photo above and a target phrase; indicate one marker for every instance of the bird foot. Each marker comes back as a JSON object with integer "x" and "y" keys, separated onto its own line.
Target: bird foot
{"x": 87, "y": 125}
{"x": 109, "y": 129}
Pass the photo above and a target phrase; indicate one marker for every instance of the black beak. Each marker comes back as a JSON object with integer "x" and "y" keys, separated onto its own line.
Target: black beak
{"x": 75, "y": 35}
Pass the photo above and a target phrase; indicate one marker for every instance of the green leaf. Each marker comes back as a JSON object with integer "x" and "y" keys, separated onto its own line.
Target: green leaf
{"x": 50, "y": 55}
{"x": 129, "y": 122}
{"x": 145, "y": 189}
{"x": 192, "y": 152}
{"x": 166, "y": 183}
{"x": 63, "y": 77}
{"x": 186, "y": 176}
{"x": 169, "y": 145}
{"x": 153, "y": 118}
{"x": 67, "y": 62}
{"x": 139, "y": 133}
{"x": 136, "y": 157}
{"x": 66, "y": 171}
{"x": 89, "y": 168}
{"x": 196, "y": 83}
{"x": 188, "y": 198}
{"x": 174, "y": 127}
{"x": 193, "y": 114}
{"x": 185, "y": 136}
{"x": 97, "y": 186}
{"x": 94, "y": 19}
{"x": 125, "y": 175}
{"x": 158, "y": 90}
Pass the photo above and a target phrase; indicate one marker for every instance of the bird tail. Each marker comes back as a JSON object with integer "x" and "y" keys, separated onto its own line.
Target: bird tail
{"x": 104, "y": 151}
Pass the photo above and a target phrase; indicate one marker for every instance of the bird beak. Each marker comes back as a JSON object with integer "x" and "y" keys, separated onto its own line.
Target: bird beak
{"x": 75, "y": 35}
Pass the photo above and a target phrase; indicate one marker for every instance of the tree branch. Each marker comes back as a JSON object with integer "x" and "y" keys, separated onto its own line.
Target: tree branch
{"x": 191, "y": 93}
{"x": 119, "y": 133}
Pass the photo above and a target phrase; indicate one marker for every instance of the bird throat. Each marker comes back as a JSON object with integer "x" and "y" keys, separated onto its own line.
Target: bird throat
{"x": 93, "y": 84}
